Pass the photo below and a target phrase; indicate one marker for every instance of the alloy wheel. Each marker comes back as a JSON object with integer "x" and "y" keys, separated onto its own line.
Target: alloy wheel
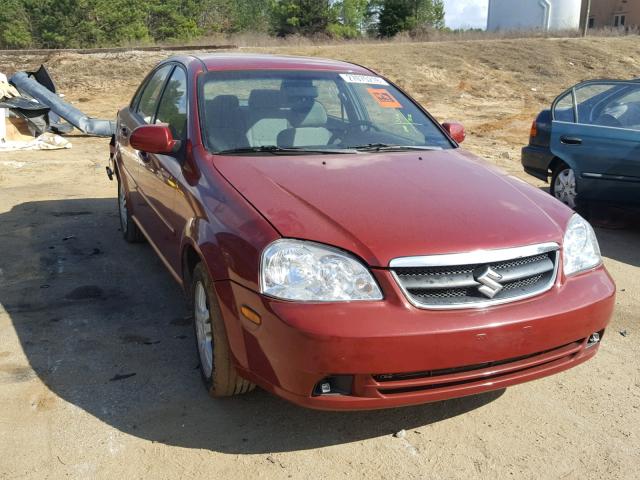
{"x": 122, "y": 204}
{"x": 204, "y": 334}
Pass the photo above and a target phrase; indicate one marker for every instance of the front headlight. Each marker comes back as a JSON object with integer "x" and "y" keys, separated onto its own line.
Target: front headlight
{"x": 308, "y": 271}
{"x": 580, "y": 248}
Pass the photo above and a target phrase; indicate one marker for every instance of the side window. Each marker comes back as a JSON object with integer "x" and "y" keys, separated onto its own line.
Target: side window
{"x": 622, "y": 110}
{"x": 563, "y": 111}
{"x": 609, "y": 104}
{"x": 173, "y": 105}
{"x": 589, "y": 97}
{"x": 152, "y": 90}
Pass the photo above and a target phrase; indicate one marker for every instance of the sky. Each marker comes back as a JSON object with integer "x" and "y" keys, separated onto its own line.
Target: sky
{"x": 466, "y": 13}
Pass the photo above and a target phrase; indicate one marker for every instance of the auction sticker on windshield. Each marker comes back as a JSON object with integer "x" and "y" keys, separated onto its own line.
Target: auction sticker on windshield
{"x": 384, "y": 98}
{"x": 368, "y": 79}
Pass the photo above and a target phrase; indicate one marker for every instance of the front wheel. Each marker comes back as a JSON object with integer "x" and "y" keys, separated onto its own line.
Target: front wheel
{"x": 218, "y": 373}
{"x": 563, "y": 185}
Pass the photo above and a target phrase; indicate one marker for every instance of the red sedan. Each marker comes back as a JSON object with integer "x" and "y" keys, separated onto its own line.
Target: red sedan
{"x": 338, "y": 248}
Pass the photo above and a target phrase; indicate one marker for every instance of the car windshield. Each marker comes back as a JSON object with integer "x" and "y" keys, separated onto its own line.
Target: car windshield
{"x": 291, "y": 111}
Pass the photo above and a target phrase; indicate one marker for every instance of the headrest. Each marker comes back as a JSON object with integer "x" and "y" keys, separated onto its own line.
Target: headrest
{"x": 224, "y": 102}
{"x": 296, "y": 88}
{"x": 312, "y": 116}
{"x": 221, "y": 110}
{"x": 263, "y": 98}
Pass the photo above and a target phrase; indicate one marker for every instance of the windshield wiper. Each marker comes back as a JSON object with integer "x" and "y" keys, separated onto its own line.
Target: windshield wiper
{"x": 277, "y": 150}
{"x": 385, "y": 147}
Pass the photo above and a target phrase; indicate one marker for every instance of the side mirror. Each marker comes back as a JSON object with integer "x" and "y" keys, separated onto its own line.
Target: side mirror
{"x": 455, "y": 131}
{"x": 154, "y": 139}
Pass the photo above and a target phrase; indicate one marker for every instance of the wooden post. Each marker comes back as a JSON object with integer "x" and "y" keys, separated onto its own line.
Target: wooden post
{"x": 586, "y": 19}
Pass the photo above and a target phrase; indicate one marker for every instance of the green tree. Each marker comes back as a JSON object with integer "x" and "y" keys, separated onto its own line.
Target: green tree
{"x": 82, "y": 23}
{"x": 172, "y": 19}
{"x": 85, "y": 23}
{"x": 395, "y": 16}
{"x": 120, "y": 22}
{"x": 61, "y": 23}
{"x": 401, "y": 15}
{"x": 437, "y": 14}
{"x": 252, "y": 15}
{"x": 14, "y": 21}
{"x": 429, "y": 13}
{"x": 349, "y": 18}
{"x": 303, "y": 17}
{"x": 231, "y": 16}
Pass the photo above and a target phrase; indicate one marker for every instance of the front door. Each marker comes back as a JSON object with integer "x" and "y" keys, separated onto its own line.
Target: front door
{"x": 163, "y": 184}
{"x": 140, "y": 112}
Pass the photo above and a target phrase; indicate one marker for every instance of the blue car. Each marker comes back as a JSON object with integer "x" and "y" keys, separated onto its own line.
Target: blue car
{"x": 589, "y": 144}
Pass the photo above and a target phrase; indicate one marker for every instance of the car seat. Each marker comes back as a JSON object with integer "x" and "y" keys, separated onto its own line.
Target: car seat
{"x": 309, "y": 128}
{"x": 308, "y": 117}
{"x": 267, "y": 117}
{"x": 608, "y": 120}
{"x": 225, "y": 123}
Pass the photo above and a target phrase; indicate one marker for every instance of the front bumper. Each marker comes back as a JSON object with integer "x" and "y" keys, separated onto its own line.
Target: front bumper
{"x": 447, "y": 353}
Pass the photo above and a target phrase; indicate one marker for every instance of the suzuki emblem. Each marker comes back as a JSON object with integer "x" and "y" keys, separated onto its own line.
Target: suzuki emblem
{"x": 489, "y": 280}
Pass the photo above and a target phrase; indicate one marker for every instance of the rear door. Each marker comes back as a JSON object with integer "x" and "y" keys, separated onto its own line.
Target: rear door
{"x": 596, "y": 131}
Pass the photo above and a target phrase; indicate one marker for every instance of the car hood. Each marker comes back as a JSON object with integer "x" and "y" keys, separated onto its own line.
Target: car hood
{"x": 382, "y": 206}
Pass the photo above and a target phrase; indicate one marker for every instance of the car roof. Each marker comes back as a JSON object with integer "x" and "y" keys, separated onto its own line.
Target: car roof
{"x": 252, "y": 61}
{"x": 596, "y": 80}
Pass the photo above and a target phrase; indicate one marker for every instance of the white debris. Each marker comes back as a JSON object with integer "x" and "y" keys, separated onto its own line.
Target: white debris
{"x": 6, "y": 89}
{"x": 12, "y": 164}
{"x": 46, "y": 141}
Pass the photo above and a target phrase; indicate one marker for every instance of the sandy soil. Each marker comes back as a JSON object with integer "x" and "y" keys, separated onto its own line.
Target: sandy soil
{"x": 98, "y": 373}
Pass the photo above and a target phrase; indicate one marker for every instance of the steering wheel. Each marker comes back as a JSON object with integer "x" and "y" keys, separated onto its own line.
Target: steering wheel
{"x": 340, "y": 134}
{"x": 364, "y": 126}
{"x": 368, "y": 126}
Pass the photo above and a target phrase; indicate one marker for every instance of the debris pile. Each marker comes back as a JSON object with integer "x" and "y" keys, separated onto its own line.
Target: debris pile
{"x": 33, "y": 115}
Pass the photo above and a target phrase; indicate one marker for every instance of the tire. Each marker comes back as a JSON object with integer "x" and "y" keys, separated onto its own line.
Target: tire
{"x": 216, "y": 367}
{"x": 128, "y": 227}
{"x": 564, "y": 186}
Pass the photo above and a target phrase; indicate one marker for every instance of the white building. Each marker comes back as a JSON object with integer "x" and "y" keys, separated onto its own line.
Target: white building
{"x": 534, "y": 15}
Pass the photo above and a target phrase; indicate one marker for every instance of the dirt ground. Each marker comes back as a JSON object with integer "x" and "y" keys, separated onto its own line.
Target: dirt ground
{"x": 98, "y": 371}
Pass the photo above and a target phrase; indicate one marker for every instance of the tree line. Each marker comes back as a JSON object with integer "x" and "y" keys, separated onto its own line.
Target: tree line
{"x": 84, "y": 23}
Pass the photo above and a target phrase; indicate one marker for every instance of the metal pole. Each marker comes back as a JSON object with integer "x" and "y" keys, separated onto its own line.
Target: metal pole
{"x": 586, "y": 18}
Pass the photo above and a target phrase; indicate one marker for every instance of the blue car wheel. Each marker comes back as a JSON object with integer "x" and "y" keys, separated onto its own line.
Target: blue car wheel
{"x": 563, "y": 185}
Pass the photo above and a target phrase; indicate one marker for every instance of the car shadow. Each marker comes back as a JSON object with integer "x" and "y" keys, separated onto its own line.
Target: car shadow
{"x": 618, "y": 231}
{"x": 104, "y": 326}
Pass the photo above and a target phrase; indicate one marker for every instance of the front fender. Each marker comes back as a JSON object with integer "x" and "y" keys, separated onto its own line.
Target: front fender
{"x": 216, "y": 250}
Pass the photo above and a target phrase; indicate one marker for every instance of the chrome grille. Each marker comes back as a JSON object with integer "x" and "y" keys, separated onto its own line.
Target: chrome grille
{"x": 459, "y": 280}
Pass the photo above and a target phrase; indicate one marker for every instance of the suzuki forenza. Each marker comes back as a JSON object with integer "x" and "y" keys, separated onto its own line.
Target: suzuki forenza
{"x": 338, "y": 248}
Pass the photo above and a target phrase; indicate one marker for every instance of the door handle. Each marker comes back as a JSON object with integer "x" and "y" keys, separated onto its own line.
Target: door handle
{"x": 571, "y": 140}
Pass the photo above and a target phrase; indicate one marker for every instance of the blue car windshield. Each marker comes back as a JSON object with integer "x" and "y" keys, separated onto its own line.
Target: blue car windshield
{"x": 260, "y": 111}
